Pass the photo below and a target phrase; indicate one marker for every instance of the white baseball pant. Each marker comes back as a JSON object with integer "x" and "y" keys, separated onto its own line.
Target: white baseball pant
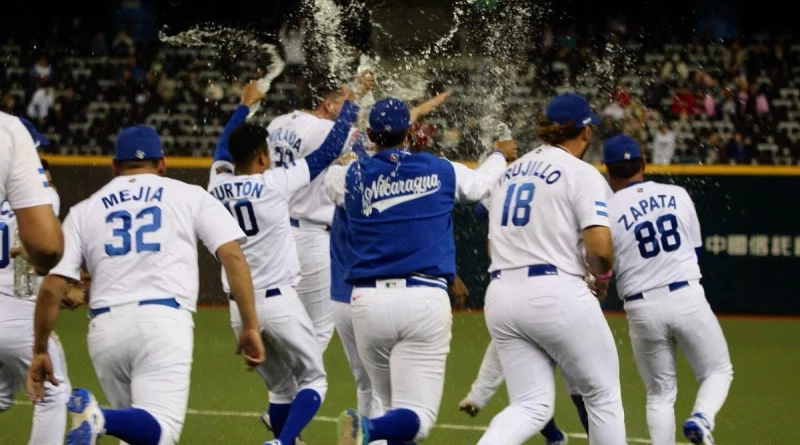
{"x": 490, "y": 377}
{"x": 16, "y": 350}
{"x": 294, "y": 358}
{"x": 314, "y": 288}
{"x": 369, "y": 404}
{"x": 659, "y": 322}
{"x": 540, "y": 322}
{"x": 143, "y": 359}
{"x": 403, "y": 338}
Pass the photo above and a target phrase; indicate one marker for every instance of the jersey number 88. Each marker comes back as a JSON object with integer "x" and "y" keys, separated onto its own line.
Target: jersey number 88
{"x": 650, "y": 244}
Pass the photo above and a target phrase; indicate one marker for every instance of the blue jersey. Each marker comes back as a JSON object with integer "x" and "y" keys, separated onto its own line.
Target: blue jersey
{"x": 399, "y": 206}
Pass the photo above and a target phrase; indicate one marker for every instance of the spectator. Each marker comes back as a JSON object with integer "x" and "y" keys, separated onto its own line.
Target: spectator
{"x": 683, "y": 102}
{"x": 709, "y": 106}
{"x": 675, "y": 70}
{"x": 712, "y": 148}
{"x": 664, "y": 145}
{"x": 41, "y": 103}
{"x": 214, "y": 92}
{"x": 762, "y": 102}
{"x": 737, "y": 151}
{"x": 166, "y": 87}
{"x": 728, "y": 106}
{"x": 621, "y": 96}
{"x": 99, "y": 47}
{"x": 8, "y": 104}
{"x": 42, "y": 71}
{"x": 123, "y": 44}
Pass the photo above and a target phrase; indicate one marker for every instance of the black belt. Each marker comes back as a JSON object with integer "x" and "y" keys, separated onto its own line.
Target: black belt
{"x": 536, "y": 270}
{"x": 672, "y": 287}
{"x": 296, "y": 223}
{"x": 269, "y": 293}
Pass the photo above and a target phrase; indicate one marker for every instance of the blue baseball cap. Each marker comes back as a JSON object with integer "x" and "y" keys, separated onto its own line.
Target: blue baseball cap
{"x": 136, "y": 143}
{"x": 570, "y": 107}
{"x": 38, "y": 138}
{"x": 389, "y": 115}
{"x": 621, "y": 148}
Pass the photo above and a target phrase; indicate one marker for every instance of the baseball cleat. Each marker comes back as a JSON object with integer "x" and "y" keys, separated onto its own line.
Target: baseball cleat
{"x": 268, "y": 424}
{"x": 469, "y": 407}
{"x": 350, "y": 429}
{"x": 564, "y": 441}
{"x": 88, "y": 422}
{"x": 698, "y": 430}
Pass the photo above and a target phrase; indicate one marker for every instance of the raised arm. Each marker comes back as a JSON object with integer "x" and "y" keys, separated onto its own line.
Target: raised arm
{"x": 331, "y": 147}
{"x": 474, "y": 185}
{"x": 222, "y": 154}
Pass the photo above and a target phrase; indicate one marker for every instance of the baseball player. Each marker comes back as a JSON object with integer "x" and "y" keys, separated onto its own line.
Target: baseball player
{"x": 16, "y": 334}
{"x": 538, "y": 309}
{"x": 398, "y": 207}
{"x": 657, "y": 239}
{"x": 292, "y": 137}
{"x": 259, "y": 198}
{"x": 138, "y": 236}
{"x": 23, "y": 185}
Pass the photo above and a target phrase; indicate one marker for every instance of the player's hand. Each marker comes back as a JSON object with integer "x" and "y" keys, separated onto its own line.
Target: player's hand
{"x": 348, "y": 93}
{"x": 40, "y": 372}
{"x": 428, "y": 106}
{"x": 252, "y": 347}
{"x": 599, "y": 289}
{"x": 365, "y": 81}
{"x": 251, "y": 94}
{"x": 75, "y": 298}
{"x": 510, "y": 149}
{"x": 346, "y": 159}
{"x": 459, "y": 292}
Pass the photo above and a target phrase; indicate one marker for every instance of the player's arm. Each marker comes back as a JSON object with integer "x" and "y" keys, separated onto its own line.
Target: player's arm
{"x": 54, "y": 288}
{"x": 305, "y": 170}
{"x": 695, "y": 234}
{"x": 474, "y": 185}
{"x": 222, "y": 236}
{"x": 336, "y": 178}
{"x": 591, "y": 211}
{"x": 428, "y": 106}
{"x": 27, "y": 186}
{"x": 223, "y": 162}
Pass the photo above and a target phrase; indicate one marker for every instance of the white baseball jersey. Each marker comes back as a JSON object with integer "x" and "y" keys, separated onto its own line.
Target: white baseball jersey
{"x": 655, "y": 232}
{"x": 9, "y": 221}
{"x": 22, "y": 178}
{"x": 260, "y": 203}
{"x": 294, "y": 136}
{"x": 138, "y": 235}
{"x": 539, "y": 208}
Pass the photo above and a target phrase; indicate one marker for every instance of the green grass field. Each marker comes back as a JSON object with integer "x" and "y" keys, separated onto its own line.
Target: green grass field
{"x": 226, "y": 400}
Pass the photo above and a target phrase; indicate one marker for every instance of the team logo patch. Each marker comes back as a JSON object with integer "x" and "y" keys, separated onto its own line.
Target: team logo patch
{"x": 139, "y": 154}
{"x": 393, "y": 157}
{"x": 639, "y": 190}
{"x": 391, "y": 284}
{"x": 132, "y": 180}
{"x": 223, "y": 170}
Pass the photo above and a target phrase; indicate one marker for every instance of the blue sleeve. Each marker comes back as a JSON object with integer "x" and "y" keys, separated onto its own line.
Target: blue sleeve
{"x": 481, "y": 211}
{"x": 698, "y": 251}
{"x": 331, "y": 147}
{"x": 222, "y": 153}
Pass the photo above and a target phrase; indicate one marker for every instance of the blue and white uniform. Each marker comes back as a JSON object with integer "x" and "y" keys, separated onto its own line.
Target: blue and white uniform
{"x": 538, "y": 307}
{"x": 16, "y": 327}
{"x": 657, "y": 241}
{"x": 294, "y": 372}
{"x": 398, "y": 207}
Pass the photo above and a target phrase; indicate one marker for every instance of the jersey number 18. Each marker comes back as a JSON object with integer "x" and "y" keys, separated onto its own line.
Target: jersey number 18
{"x": 521, "y": 209}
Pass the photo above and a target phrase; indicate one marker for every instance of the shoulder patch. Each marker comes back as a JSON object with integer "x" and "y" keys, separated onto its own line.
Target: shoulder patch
{"x": 224, "y": 169}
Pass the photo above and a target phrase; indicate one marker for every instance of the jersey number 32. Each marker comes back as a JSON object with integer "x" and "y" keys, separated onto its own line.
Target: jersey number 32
{"x": 148, "y": 220}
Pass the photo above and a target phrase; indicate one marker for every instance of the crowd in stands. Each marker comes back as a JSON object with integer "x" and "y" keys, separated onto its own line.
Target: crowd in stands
{"x": 730, "y": 103}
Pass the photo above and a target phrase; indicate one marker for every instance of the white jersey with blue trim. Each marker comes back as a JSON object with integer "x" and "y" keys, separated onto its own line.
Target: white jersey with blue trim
{"x": 22, "y": 179}
{"x": 260, "y": 203}
{"x": 294, "y": 136}
{"x": 8, "y": 222}
{"x": 138, "y": 236}
{"x": 656, "y": 233}
{"x": 539, "y": 208}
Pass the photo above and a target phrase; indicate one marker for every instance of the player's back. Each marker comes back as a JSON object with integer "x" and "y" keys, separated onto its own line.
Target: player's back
{"x": 655, "y": 231}
{"x": 138, "y": 236}
{"x": 294, "y": 136}
{"x": 538, "y": 210}
{"x": 261, "y": 208}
